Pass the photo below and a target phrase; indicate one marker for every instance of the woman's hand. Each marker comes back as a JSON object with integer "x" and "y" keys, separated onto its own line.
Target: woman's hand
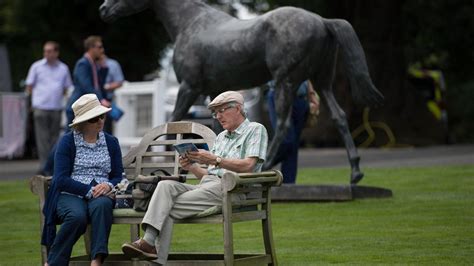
{"x": 100, "y": 189}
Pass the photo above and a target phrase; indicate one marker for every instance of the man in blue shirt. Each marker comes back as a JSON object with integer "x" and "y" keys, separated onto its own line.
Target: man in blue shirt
{"x": 113, "y": 81}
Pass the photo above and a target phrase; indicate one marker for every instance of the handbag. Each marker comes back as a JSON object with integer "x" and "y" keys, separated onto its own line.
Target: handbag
{"x": 116, "y": 113}
{"x": 123, "y": 194}
{"x": 144, "y": 186}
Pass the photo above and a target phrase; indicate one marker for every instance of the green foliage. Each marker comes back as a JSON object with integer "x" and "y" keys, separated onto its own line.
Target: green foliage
{"x": 441, "y": 27}
{"x": 460, "y": 99}
{"x": 428, "y": 221}
{"x": 445, "y": 28}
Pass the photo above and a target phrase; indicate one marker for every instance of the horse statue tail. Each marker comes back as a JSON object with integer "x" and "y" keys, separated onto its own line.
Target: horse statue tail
{"x": 355, "y": 65}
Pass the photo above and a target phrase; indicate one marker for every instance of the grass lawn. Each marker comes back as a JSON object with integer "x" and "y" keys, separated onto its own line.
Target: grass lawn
{"x": 430, "y": 220}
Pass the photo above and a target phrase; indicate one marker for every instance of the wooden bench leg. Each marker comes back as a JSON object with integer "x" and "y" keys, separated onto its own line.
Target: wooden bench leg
{"x": 44, "y": 254}
{"x": 87, "y": 239}
{"x": 39, "y": 186}
{"x": 267, "y": 230}
{"x": 228, "y": 231}
{"x": 134, "y": 232}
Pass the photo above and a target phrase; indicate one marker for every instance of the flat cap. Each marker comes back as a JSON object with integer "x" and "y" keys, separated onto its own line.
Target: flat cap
{"x": 226, "y": 97}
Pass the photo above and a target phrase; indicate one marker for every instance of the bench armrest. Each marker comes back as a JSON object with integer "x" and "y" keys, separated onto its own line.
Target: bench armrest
{"x": 39, "y": 184}
{"x": 232, "y": 180}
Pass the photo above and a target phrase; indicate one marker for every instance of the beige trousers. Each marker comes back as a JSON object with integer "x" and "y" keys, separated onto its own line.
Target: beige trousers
{"x": 174, "y": 200}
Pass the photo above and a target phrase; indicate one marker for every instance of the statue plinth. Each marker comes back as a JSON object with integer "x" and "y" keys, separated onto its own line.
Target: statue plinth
{"x": 287, "y": 192}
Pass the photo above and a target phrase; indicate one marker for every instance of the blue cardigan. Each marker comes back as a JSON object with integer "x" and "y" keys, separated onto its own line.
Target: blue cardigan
{"x": 62, "y": 181}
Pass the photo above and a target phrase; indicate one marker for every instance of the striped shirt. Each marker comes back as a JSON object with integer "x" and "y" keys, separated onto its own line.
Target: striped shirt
{"x": 250, "y": 139}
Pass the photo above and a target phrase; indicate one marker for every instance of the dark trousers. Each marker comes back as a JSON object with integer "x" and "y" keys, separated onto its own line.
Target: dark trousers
{"x": 47, "y": 127}
{"x": 288, "y": 151}
{"x": 75, "y": 213}
{"x": 48, "y": 166}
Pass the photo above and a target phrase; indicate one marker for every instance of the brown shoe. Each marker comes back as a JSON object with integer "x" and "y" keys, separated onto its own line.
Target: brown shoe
{"x": 139, "y": 249}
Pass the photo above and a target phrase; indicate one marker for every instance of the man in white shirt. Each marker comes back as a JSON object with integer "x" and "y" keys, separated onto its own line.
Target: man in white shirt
{"x": 47, "y": 82}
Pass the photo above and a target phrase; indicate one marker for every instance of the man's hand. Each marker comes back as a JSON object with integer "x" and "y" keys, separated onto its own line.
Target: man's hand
{"x": 185, "y": 162}
{"x": 202, "y": 157}
{"x": 29, "y": 89}
{"x": 100, "y": 189}
{"x": 105, "y": 103}
{"x": 113, "y": 85}
{"x": 314, "y": 108}
{"x": 102, "y": 60}
{"x": 188, "y": 164}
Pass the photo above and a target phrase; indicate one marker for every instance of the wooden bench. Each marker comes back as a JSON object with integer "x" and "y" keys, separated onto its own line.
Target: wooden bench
{"x": 153, "y": 153}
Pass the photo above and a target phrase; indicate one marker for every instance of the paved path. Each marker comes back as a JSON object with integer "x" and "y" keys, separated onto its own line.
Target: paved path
{"x": 399, "y": 157}
{"x": 334, "y": 157}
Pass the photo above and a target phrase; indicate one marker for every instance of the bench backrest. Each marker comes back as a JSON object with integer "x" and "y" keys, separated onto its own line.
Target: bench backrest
{"x": 155, "y": 150}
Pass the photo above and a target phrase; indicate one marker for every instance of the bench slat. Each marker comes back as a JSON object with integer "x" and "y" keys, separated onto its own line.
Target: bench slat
{"x": 159, "y": 153}
{"x": 173, "y": 141}
{"x": 249, "y": 202}
{"x": 247, "y": 189}
{"x": 156, "y": 165}
{"x": 248, "y": 216}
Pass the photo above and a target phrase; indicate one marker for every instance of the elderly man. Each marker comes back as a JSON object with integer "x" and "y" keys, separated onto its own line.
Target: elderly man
{"x": 241, "y": 147}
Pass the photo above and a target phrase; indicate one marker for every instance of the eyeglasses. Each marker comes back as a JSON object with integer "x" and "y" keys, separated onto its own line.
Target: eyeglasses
{"x": 220, "y": 111}
{"x": 96, "y": 119}
{"x": 99, "y": 46}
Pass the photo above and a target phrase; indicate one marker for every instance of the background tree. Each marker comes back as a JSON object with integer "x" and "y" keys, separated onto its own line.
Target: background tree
{"x": 135, "y": 41}
{"x": 394, "y": 33}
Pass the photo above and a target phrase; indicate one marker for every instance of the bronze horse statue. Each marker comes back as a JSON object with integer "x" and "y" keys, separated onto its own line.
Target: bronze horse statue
{"x": 215, "y": 52}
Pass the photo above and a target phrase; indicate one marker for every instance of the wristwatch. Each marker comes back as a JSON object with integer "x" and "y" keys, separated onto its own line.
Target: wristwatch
{"x": 218, "y": 160}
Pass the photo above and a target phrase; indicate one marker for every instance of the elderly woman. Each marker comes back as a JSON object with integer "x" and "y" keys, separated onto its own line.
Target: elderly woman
{"x": 87, "y": 166}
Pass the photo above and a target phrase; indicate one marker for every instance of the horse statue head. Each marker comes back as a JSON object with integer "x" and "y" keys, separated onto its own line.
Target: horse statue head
{"x": 111, "y": 10}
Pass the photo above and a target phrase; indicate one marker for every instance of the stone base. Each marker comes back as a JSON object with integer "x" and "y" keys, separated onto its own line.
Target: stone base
{"x": 327, "y": 192}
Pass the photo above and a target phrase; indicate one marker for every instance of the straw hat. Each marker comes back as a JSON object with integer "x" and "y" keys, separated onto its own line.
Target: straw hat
{"x": 226, "y": 97}
{"x": 87, "y": 107}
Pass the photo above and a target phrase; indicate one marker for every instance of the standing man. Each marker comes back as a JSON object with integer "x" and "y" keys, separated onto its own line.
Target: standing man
{"x": 306, "y": 104}
{"x": 113, "y": 81}
{"x": 47, "y": 82}
{"x": 89, "y": 74}
{"x": 241, "y": 147}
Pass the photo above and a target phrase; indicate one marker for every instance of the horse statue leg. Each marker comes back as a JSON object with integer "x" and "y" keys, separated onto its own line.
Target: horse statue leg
{"x": 284, "y": 95}
{"x": 186, "y": 98}
{"x": 324, "y": 80}
{"x": 339, "y": 117}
